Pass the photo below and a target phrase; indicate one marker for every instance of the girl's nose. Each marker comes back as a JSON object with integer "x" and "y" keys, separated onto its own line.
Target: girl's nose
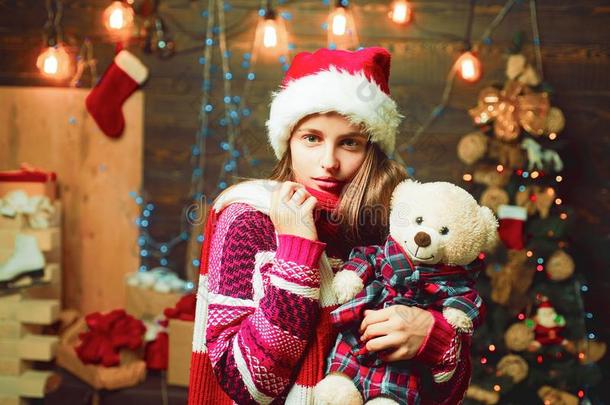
{"x": 329, "y": 160}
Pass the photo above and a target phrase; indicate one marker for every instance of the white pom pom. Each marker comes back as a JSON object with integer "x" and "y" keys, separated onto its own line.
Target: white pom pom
{"x": 346, "y": 285}
{"x": 336, "y": 389}
{"x": 458, "y": 319}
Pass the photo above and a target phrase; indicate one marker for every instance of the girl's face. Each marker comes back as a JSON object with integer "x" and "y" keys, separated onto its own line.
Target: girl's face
{"x": 327, "y": 151}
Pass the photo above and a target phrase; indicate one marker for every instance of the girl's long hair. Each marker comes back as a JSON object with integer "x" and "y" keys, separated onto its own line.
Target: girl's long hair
{"x": 363, "y": 211}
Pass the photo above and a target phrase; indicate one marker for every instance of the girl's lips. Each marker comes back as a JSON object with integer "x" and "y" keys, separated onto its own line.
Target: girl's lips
{"x": 329, "y": 184}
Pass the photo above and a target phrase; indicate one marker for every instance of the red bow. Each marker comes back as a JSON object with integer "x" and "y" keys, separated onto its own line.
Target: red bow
{"x": 107, "y": 334}
{"x": 184, "y": 308}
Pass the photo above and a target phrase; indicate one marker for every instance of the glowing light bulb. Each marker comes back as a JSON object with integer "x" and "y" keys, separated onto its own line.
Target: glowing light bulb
{"x": 401, "y": 12}
{"x": 492, "y": 348}
{"x": 500, "y": 168}
{"x": 469, "y": 67}
{"x": 270, "y": 34}
{"x": 339, "y": 24}
{"x": 55, "y": 62}
{"x": 118, "y": 16}
{"x": 467, "y": 177}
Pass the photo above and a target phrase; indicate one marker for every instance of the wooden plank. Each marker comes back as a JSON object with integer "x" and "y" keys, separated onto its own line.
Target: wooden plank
{"x": 12, "y": 366}
{"x": 31, "y": 384}
{"x": 39, "y": 312}
{"x": 11, "y": 329}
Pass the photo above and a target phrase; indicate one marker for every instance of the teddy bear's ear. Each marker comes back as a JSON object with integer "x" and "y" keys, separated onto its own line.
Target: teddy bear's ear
{"x": 490, "y": 226}
{"x": 404, "y": 189}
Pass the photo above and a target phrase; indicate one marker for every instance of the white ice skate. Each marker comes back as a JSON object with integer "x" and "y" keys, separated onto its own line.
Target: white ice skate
{"x": 26, "y": 261}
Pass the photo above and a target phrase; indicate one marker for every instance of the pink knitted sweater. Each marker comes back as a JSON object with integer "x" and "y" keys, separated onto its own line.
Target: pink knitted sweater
{"x": 262, "y": 330}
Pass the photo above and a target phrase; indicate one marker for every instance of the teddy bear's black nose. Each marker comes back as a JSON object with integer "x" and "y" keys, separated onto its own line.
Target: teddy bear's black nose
{"x": 422, "y": 239}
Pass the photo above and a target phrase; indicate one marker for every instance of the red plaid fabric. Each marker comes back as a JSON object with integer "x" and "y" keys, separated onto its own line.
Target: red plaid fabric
{"x": 390, "y": 279}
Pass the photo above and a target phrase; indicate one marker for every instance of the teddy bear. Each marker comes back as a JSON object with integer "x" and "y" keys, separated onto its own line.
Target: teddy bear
{"x": 430, "y": 259}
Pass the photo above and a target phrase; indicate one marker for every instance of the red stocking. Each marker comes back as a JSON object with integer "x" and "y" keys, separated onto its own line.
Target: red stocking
{"x": 511, "y": 220}
{"x": 121, "y": 79}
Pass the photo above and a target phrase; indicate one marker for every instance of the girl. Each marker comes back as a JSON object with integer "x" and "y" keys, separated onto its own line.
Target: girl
{"x": 262, "y": 329}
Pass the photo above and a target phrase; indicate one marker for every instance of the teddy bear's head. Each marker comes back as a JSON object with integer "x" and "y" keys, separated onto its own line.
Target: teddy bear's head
{"x": 440, "y": 222}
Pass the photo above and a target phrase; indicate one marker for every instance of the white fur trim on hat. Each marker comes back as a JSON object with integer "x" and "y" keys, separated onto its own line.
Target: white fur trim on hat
{"x": 132, "y": 66}
{"x": 351, "y": 95}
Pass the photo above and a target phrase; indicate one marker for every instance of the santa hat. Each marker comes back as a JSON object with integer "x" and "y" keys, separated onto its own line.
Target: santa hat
{"x": 351, "y": 83}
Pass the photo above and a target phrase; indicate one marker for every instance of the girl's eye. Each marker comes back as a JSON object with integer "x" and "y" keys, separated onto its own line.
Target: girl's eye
{"x": 350, "y": 142}
{"x": 444, "y": 230}
{"x": 419, "y": 220}
{"x": 310, "y": 138}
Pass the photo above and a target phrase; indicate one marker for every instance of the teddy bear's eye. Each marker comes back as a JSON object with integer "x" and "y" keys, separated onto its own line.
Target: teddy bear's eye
{"x": 419, "y": 220}
{"x": 444, "y": 230}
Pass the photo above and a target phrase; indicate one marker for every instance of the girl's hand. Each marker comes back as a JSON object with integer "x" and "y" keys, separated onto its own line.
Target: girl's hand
{"x": 399, "y": 330}
{"x": 292, "y": 211}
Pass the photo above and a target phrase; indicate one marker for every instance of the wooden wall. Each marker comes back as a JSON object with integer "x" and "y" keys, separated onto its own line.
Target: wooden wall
{"x": 51, "y": 129}
{"x": 575, "y": 51}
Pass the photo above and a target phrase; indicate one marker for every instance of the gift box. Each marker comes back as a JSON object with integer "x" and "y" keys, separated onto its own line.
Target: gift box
{"x": 144, "y": 303}
{"x": 32, "y": 180}
{"x": 130, "y": 372}
{"x": 180, "y": 346}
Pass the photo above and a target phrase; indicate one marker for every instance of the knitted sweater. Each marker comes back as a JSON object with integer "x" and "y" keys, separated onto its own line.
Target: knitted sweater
{"x": 262, "y": 327}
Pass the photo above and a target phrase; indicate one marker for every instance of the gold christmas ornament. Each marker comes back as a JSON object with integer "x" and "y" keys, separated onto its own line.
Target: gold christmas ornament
{"x": 553, "y": 396}
{"x": 513, "y": 366}
{"x": 560, "y": 266}
{"x": 518, "y": 68}
{"x": 472, "y": 147}
{"x": 555, "y": 121}
{"x": 588, "y": 351}
{"x": 489, "y": 176}
{"x": 518, "y": 337}
{"x": 515, "y": 65}
{"x": 509, "y": 155}
{"x": 536, "y": 199}
{"x": 512, "y": 108}
{"x": 479, "y": 394}
{"x": 493, "y": 197}
{"x": 511, "y": 281}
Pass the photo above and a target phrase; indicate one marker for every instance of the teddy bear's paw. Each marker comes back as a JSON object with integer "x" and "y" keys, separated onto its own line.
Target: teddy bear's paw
{"x": 336, "y": 389}
{"x": 458, "y": 319}
{"x": 346, "y": 285}
{"x": 381, "y": 401}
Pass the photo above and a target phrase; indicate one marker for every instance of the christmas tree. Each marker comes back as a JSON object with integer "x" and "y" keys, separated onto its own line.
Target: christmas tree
{"x": 534, "y": 345}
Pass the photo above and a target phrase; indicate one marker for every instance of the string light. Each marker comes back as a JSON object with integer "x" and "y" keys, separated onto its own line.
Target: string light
{"x": 467, "y": 177}
{"x": 400, "y": 12}
{"x": 271, "y": 33}
{"x": 497, "y": 388}
{"x": 118, "y": 19}
{"x": 558, "y": 201}
{"x": 563, "y": 216}
{"x": 500, "y": 168}
{"x": 558, "y": 179}
{"x": 341, "y": 28}
{"x": 55, "y": 62}
{"x": 468, "y": 67}
{"x": 492, "y": 348}
{"x": 483, "y": 360}
{"x": 552, "y": 136}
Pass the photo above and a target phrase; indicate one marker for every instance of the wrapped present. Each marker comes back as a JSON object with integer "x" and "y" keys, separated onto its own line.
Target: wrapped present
{"x": 180, "y": 345}
{"x": 180, "y": 333}
{"x": 130, "y": 371}
{"x": 33, "y": 181}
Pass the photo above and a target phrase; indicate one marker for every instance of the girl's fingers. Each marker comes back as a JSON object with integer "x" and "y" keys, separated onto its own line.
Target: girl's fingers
{"x": 299, "y": 196}
{"x": 310, "y": 203}
{"x": 371, "y": 317}
{"x": 287, "y": 190}
{"x": 384, "y": 342}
